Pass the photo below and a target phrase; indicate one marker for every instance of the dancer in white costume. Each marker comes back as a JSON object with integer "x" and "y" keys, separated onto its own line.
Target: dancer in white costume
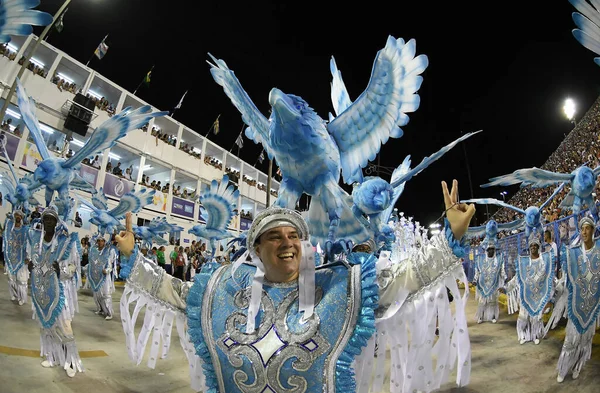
{"x": 101, "y": 270}
{"x": 14, "y": 238}
{"x": 48, "y": 296}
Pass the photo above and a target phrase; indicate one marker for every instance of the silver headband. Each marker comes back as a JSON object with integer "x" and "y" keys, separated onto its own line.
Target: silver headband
{"x": 50, "y": 211}
{"x": 587, "y": 220}
{"x": 274, "y": 217}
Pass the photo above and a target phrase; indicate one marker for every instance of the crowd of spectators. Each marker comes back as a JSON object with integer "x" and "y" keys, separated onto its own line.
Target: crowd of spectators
{"x": 6, "y": 52}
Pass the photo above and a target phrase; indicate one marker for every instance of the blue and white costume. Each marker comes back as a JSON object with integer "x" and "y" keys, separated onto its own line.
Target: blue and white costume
{"x": 319, "y": 340}
{"x": 101, "y": 270}
{"x": 530, "y": 290}
{"x": 15, "y": 240}
{"x": 490, "y": 277}
{"x": 582, "y": 299}
{"x": 49, "y": 302}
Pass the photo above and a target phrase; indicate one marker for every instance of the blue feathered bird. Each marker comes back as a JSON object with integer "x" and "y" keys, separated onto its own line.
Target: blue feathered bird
{"x": 17, "y": 16}
{"x": 374, "y": 199}
{"x": 532, "y": 217}
{"x": 109, "y": 220}
{"x": 154, "y": 231}
{"x": 299, "y": 139}
{"x": 219, "y": 201}
{"x": 58, "y": 174}
{"x": 587, "y": 21}
{"x": 582, "y": 181}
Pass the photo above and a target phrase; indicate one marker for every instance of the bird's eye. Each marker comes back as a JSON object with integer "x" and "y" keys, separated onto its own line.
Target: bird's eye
{"x": 299, "y": 107}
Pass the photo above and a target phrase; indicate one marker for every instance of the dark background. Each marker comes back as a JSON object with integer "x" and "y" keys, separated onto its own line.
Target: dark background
{"x": 505, "y": 69}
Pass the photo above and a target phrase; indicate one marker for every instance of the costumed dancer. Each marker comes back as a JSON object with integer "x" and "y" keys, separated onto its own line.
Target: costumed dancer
{"x": 101, "y": 270}
{"x": 48, "y": 296}
{"x": 248, "y": 321}
{"x": 582, "y": 301}
{"x": 530, "y": 290}
{"x": 490, "y": 277}
{"x": 15, "y": 242}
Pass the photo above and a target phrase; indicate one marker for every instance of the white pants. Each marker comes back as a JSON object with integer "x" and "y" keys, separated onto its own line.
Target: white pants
{"x": 103, "y": 297}
{"x": 18, "y": 284}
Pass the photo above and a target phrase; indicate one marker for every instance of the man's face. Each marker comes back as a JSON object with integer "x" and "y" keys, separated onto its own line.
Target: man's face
{"x": 490, "y": 252}
{"x": 49, "y": 223}
{"x": 587, "y": 233}
{"x": 280, "y": 251}
{"x": 534, "y": 250}
{"x": 101, "y": 243}
{"x": 18, "y": 219}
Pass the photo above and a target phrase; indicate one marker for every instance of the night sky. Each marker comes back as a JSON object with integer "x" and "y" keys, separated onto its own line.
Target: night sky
{"x": 505, "y": 69}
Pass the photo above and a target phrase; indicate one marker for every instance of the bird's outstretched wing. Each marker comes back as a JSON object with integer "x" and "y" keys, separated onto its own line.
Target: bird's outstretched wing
{"x": 381, "y": 109}
{"x": 16, "y": 18}
{"x": 258, "y": 124}
{"x": 431, "y": 159}
{"x": 339, "y": 94}
{"x": 220, "y": 201}
{"x": 534, "y": 177}
{"x": 87, "y": 203}
{"x": 492, "y": 201}
{"x": 133, "y": 201}
{"x": 80, "y": 183}
{"x": 588, "y": 22}
{"x": 397, "y": 174}
{"x": 107, "y": 134}
{"x": 558, "y": 189}
{"x": 475, "y": 231}
{"x": 99, "y": 200}
{"x": 27, "y": 108}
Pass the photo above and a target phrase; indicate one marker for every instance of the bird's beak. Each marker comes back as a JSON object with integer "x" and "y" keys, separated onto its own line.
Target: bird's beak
{"x": 283, "y": 106}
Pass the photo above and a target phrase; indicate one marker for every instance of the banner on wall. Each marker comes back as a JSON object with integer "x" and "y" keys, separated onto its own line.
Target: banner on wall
{"x": 31, "y": 156}
{"x": 245, "y": 224}
{"x": 116, "y": 186}
{"x": 10, "y": 143}
{"x": 89, "y": 174}
{"x": 159, "y": 202}
{"x": 182, "y": 207}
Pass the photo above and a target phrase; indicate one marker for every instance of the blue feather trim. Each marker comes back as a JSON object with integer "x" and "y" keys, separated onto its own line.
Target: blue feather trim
{"x": 365, "y": 324}
{"x": 459, "y": 248}
{"x": 127, "y": 264}
{"x": 194, "y": 314}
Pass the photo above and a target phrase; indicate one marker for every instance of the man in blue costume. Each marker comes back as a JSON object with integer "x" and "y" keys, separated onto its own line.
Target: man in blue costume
{"x": 531, "y": 289}
{"x": 15, "y": 235}
{"x": 47, "y": 294}
{"x": 100, "y": 275}
{"x": 583, "y": 301}
{"x": 285, "y": 322}
{"x": 490, "y": 277}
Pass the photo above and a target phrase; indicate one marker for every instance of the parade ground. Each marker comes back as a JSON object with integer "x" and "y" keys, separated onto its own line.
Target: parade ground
{"x": 499, "y": 363}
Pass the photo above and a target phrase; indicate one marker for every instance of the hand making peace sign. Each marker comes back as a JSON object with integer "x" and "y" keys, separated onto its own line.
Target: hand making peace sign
{"x": 458, "y": 214}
